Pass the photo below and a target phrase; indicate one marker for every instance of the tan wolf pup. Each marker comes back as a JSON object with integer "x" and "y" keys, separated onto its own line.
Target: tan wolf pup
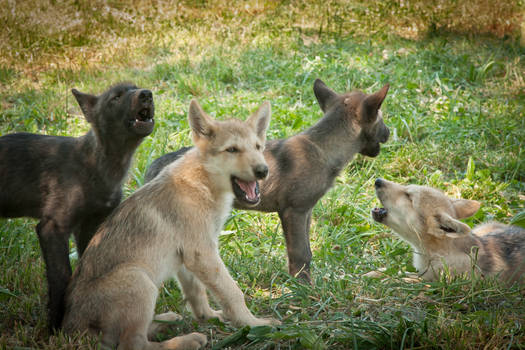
{"x": 170, "y": 227}
{"x": 428, "y": 220}
{"x": 304, "y": 166}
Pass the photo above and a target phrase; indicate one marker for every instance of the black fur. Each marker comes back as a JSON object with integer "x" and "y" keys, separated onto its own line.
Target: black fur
{"x": 73, "y": 184}
{"x": 280, "y": 153}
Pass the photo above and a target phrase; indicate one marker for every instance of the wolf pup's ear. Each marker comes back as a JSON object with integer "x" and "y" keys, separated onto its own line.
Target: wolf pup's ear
{"x": 465, "y": 207}
{"x": 87, "y": 104}
{"x": 372, "y": 103}
{"x": 452, "y": 227}
{"x": 323, "y": 94}
{"x": 261, "y": 119}
{"x": 201, "y": 124}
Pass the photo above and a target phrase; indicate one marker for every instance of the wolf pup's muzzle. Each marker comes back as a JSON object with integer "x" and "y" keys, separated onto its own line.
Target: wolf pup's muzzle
{"x": 248, "y": 191}
{"x": 379, "y": 214}
{"x": 260, "y": 171}
{"x": 143, "y": 122}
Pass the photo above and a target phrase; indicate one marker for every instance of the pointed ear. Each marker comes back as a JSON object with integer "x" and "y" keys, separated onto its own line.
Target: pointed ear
{"x": 465, "y": 207}
{"x": 261, "y": 119}
{"x": 87, "y": 104}
{"x": 372, "y": 103}
{"x": 452, "y": 227}
{"x": 201, "y": 124}
{"x": 323, "y": 94}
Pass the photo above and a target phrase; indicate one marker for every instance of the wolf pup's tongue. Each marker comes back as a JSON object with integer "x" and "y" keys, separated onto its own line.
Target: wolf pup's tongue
{"x": 249, "y": 188}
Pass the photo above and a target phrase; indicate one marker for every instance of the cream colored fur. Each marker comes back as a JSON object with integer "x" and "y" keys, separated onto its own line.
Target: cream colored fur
{"x": 168, "y": 228}
{"x": 429, "y": 221}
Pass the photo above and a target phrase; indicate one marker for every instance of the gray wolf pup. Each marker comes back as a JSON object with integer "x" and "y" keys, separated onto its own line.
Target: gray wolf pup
{"x": 170, "y": 227}
{"x": 429, "y": 221}
{"x": 72, "y": 184}
{"x": 303, "y": 167}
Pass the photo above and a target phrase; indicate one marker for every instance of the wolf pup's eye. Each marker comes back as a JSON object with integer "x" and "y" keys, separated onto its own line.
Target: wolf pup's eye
{"x": 115, "y": 98}
{"x": 258, "y": 147}
{"x": 446, "y": 229}
{"x": 232, "y": 149}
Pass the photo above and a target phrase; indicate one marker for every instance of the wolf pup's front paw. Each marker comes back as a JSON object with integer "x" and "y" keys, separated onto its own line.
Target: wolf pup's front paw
{"x": 264, "y": 322}
{"x": 192, "y": 341}
{"x": 217, "y": 314}
{"x": 209, "y": 314}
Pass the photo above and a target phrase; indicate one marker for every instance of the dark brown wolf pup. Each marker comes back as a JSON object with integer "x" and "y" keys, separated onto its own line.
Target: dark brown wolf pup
{"x": 303, "y": 167}
{"x": 72, "y": 184}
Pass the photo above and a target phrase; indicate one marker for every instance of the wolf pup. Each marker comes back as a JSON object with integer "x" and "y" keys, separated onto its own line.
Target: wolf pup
{"x": 428, "y": 220}
{"x": 303, "y": 167}
{"x": 169, "y": 227}
{"x": 72, "y": 184}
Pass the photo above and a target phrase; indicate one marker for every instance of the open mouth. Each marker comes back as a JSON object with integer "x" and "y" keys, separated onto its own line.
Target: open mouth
{"x": 379, "y": 214}
{"x": 144, "y": 115}
{"x": 246, "y": 191}
{"x": 143, "y": 122}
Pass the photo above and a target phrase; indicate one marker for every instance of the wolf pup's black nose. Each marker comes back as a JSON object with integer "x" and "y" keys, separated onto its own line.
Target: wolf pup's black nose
{"x": 145, "y": 96}
{"x": 384, "y": 137}
{"x": 379, "y": 182}
{"x": 260, "y": 171}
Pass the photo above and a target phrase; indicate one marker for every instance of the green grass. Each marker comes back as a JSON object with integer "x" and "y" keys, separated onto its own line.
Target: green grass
{"x": 456, "y": 110}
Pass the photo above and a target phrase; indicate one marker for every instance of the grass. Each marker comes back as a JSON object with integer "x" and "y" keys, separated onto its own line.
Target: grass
{"x": 456, "y": 114}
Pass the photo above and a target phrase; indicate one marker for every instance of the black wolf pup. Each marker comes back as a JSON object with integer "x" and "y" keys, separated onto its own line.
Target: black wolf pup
{"x": 72, "y": 184}
{"x": 303, "y": 167}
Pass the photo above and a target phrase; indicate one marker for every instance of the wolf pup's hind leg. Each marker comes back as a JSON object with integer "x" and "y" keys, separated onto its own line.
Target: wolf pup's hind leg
{"x": 296, "y": 228}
